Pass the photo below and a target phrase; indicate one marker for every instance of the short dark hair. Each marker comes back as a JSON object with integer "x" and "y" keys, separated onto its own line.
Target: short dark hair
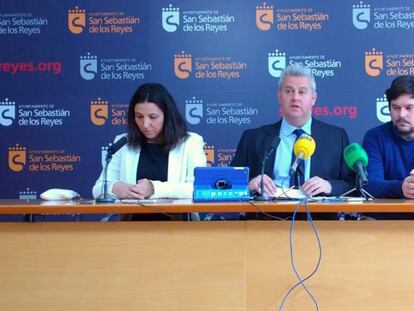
{"x": 399, "y": 86}
{"x": 174, "y": 129}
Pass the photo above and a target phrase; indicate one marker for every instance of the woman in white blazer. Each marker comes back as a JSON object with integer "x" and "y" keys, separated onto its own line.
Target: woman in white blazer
{"x": 159, "y": 159}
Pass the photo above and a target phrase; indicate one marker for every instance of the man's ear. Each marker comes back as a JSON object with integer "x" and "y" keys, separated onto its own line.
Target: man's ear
{"x": 315, "y": 97}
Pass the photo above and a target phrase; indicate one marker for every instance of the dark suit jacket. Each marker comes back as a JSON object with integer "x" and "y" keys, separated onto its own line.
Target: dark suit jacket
{"x": 327, "y": 162}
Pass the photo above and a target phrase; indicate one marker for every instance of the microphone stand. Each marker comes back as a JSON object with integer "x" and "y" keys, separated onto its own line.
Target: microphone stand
{"x": 296, "y": 177}
{"x": 105, "y": 197}
{"x": 266, "y": 156}
{"x": 359, "y": 187}
{"x": 262, "y": 197}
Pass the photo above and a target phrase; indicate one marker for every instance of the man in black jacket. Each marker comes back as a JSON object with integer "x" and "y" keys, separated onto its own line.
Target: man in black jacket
{"x": 325, "y": 172}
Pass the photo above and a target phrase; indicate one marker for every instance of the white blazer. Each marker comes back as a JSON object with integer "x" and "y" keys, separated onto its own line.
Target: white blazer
{"x": 182, "y": 160}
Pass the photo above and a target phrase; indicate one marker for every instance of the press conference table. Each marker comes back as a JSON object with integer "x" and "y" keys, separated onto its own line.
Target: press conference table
{"x": 222, "y": 265}
{"x": 188, "y": 206}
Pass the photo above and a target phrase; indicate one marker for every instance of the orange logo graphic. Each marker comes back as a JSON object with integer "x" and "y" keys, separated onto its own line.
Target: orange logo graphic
{"x": 264, "y": 17}
{"x": 17, "y": 158}
{"x": 99, "y": 111}
{"x": 209, "y": 151}
{"x": 76, "y": 20}
{"x": 182, "y": 65}
{"x": 373, "y": 63}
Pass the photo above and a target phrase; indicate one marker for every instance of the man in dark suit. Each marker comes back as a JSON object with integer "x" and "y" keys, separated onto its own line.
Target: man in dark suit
{"x": 325, "y": 172}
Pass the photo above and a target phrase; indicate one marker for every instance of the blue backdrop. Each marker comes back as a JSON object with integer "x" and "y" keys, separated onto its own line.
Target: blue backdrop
{"x": 69, "y": 68}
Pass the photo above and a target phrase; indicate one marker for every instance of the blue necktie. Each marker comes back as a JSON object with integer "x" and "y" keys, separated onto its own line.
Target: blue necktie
{"x": 301, "y": 167}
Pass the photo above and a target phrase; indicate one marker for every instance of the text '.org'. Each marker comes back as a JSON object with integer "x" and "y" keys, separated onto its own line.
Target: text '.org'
{"x": 20, "y": 67}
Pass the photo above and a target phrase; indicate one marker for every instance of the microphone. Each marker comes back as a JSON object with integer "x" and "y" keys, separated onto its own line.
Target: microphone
{"x": 117, "y": 145}
{"x": 357, "y": 159}
{"x": 303, "y": 148}
{"x": 266, "y": 156}
{"x": 271, "y": 149}
{"x": 105, "y": 197}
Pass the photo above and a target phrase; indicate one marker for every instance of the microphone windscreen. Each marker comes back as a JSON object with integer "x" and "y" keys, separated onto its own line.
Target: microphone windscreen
{"x": 117, "y": 145}
{"x": 353, "y": 153}
{"x": 306, "y": 145}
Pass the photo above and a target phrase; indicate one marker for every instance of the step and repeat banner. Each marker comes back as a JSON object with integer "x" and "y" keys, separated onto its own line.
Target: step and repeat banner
{"x": 69, "y": 68}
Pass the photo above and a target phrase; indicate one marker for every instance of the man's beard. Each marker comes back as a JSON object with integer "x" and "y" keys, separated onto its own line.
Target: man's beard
{"x": 407, "y": 132}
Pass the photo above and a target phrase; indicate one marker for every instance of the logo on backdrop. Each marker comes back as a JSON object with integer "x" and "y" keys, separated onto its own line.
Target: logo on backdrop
{"x": 399, "y": 64}
{"x": 88, "y": 66}
{"x": 7, "y": 112}
{"x": 207, "y": 67}
{"x": 111, "y": 22}
{"x": 27, "y": 194}
{"x": 361, "y": 15}
{"x": 194, "y": 110}
{"x": 264, "y": 17}
{"x": 383, "y": 111}
{"x": 373, "y": 63}
{"x": 321, "y": 65}
{"x": 223, "y": 112}
{"x": 17, "y": 158}
{"x": 42, "y": 160}
{"x": 76, "y": 20}
{"x": 224, "y": 156}
{"x": 31, "y": 115}
{"x": 170, "y": 18}
{"x": 182, "y": 65}
{"x": 21, "y": 23}
{"x": 99, "y": 111}
{"x": 209, "y": 151}
{"x": 276, "y": 63}
{"x": 290, "y": 19}
{"x": 219, "y": 157}
{"x": 393, "y": 64}
{"x": 383, "y": 18}
{"x": 196, "y": 20}
{"x": 112, "y": 68}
